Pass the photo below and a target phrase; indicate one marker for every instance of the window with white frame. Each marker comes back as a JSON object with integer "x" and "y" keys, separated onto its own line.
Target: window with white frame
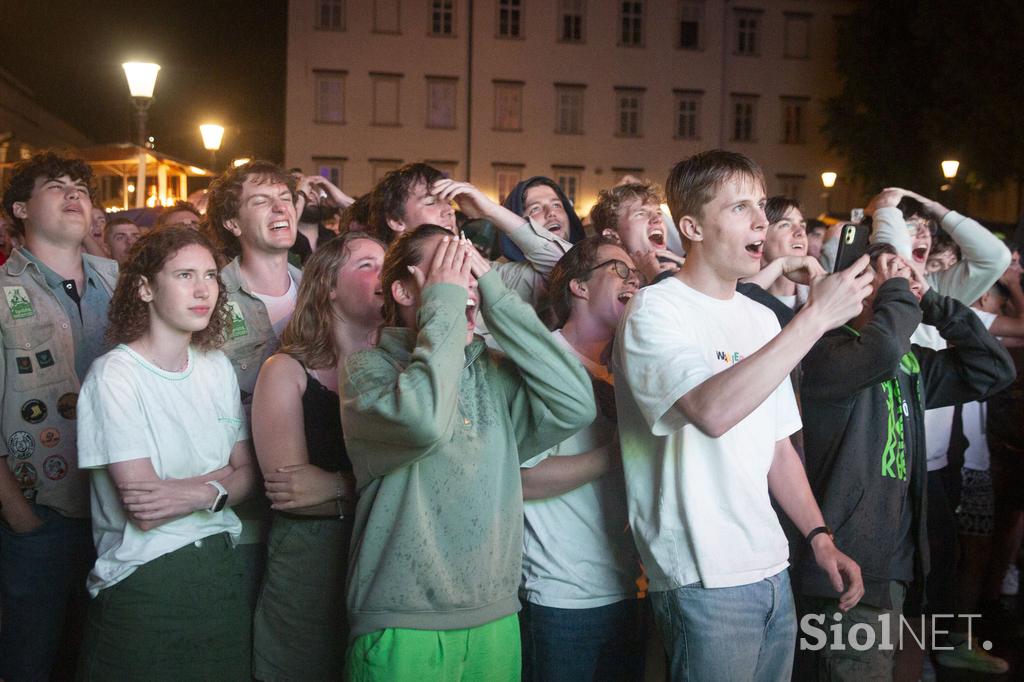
{"x": 386, "y": 16}
{"x": 797, "y": 35}
{"x": 793, "y": 124}
{"x": 629, "y": 111}
{"x": 568, "y": 178}
{"x": 508, "y": 105}
{"x": 687, "y": 119}
{"x": 386, "y": 87}
{"x": 330, "y": 167}
{"x": 441, "y": 93}
{"x": 330, "y": 96}
{"x": 747, "y": 31}
{"x": 569, "y": 109}
{"x": 631, "y": 23}
{"x": 330, "y": 15}
{"x": 442, "y": 18}
{"x": 571, "y": 20}
{"x": 744, "y": 118}
{"x": 689, "y": 35}
{"x": 510, "y": 18}
{"x": 506, "y": 177}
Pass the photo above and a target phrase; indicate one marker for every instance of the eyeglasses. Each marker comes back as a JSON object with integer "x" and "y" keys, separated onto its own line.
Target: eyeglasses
{"x": 621, "y": 269}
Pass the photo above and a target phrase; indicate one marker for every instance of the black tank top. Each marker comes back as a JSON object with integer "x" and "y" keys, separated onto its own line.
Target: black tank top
{"x": 321, "y": 414}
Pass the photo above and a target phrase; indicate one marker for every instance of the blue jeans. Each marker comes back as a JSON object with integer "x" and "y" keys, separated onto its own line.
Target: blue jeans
{"x": 729, "y": 634}
{"x": 565, "y": 645}
{"x": 43, "y": 597}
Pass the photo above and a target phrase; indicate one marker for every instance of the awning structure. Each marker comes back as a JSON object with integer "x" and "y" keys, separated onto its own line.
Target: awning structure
{"x": 163, "y": 178}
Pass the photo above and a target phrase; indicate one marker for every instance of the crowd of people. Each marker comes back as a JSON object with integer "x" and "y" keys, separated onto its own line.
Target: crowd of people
{"x": 421, "y": 435}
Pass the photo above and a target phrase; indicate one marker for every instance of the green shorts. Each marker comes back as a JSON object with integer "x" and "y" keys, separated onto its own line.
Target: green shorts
{"x": 181, "y": 616}
{"x": 487, "y": 653}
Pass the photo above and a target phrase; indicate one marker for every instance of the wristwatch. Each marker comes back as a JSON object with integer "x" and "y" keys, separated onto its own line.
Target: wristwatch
{"x": 221, "y": 500}
{"x": 818, "y": 531}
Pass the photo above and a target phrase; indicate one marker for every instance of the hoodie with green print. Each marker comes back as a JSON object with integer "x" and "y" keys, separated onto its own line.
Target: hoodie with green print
{"x": 864, "y": 395}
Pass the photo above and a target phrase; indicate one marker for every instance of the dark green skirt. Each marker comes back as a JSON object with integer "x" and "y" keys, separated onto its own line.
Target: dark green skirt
{"x": 182, "y": 616}
{"x": 300, "y": 631}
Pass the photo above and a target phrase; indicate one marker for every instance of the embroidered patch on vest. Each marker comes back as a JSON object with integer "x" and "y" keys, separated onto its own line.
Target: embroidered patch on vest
{"x": 17, "y": 301}
{"x": 238, "y": 326}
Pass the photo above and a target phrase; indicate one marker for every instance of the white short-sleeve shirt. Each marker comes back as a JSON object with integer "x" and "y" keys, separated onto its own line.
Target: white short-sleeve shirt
{"x": 698, "y": 506}
{"x": 185, "y": 423}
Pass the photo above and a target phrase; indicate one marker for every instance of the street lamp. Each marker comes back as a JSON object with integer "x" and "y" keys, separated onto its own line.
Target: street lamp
{"x": 212, "y": 136}
{"x": 828, "y": 181}
{"x": 141, "y": 81}
{"x": 949, "y": 170}
{"x": 241, "y": 162}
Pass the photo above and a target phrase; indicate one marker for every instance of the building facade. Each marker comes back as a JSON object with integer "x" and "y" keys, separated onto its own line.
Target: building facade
{"x": 584, "y": 91}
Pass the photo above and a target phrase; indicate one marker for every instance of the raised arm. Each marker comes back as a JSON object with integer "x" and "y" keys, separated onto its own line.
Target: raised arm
{"x": 726, "y": 398}
{"x": 279, "y": 432}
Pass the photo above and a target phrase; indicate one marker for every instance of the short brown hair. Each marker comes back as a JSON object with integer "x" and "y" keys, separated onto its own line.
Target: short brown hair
{"x": 694, "y": 181}
{"x": 49, "y": 165}
{"x": 402, "y": 253}
{"x": 225, "y": 199}
{"x": 178, "y": 206}
{"x": 775, "y": 208}
{"x": 577, "y": 264}
{"x": 129, "y": 314}
{"x": 388, "y": 197}
{"x": 309, "y": 335}
{"x": 605, "y": 213}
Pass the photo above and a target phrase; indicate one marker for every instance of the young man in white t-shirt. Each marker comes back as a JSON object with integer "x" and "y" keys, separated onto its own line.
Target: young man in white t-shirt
{"x": 705, "y": 411}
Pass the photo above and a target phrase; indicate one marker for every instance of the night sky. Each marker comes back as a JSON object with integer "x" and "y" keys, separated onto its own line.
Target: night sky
{"x": 222, "y": 61}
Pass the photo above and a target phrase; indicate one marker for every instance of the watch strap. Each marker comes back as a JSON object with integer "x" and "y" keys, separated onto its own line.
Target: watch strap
{"x": 818, "y": 531}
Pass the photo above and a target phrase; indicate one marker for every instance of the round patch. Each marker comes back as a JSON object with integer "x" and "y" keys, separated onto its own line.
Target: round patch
{"x": 25, "y": 475}
{"x": 49, "y": 438}
{"x": 21, "y": 444}
{"x": 55, "y": 467}
{"x": 67, "y": 405}
{"x": 33, "y": 411}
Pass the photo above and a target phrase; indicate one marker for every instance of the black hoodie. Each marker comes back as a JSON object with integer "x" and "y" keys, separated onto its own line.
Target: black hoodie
{"x": 864, "y": 395}
{"x": 514, "y": 203}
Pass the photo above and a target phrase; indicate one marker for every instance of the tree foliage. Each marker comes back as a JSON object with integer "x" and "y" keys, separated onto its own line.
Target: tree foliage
{"x": 924, "y": 80}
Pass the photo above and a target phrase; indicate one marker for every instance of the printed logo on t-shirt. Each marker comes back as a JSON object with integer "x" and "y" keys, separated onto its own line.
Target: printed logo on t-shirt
{"x": 728, "y": 357}
{"x": 17, "y": 301}
{"x": 238, "y": 327}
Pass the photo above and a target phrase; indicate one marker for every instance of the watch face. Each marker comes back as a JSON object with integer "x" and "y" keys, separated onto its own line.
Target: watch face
{"x": 222, "y": 500}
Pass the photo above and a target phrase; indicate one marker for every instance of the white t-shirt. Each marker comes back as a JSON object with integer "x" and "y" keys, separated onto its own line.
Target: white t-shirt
{"x": 578, "y": 552}
{"x": 938, "y": 421}
{"x": 974, "y": 413}
{"x": 698, "y": 506}
{"x": 280, "y": 308}
{"x": 186, "y": 423}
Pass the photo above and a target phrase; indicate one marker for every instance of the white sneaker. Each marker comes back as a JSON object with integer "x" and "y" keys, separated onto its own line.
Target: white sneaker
{"x": 968, "y": 655}
{"x": 1011, "y": 581}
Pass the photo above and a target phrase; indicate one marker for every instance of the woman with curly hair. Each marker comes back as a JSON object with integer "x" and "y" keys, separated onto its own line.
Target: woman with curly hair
{"x": 300, "y": 626}
{"x": 160, "y": 425}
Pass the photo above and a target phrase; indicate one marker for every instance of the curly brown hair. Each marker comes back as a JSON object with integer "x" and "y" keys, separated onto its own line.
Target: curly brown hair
{"x": 577, "y": 264}
{"x": 309, "y": 334}
{"x": 388, "y": 197}
{"x": 47, "y": 165}
{"x": 605, "y": 213}
{"x": 129, "y": 314}
{"x": 225, "y": 198}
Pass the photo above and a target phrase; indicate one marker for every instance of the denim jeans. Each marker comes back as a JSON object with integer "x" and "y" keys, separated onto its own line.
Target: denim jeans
{"x": 729, "y": 634}
{"x": 566, "y": 645}
{"x": 43, "y": 597}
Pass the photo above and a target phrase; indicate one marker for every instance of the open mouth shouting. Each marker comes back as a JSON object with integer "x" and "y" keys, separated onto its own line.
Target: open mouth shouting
{"x": 756, "y": 249}
{"x": 279, "y": 225}
{"x": 919, "y": 253}
{"x": 657, "y": 237}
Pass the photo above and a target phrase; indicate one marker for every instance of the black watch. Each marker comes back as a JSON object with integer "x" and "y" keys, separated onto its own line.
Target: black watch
{"x": 818, "y": 531}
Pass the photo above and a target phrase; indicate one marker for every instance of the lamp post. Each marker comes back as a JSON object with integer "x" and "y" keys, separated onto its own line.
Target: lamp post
{"x": 141, "y": 81}
{"x": 828, "y": 181}
{"x": 212, "y": 134}
{"x": 949, "y": 170}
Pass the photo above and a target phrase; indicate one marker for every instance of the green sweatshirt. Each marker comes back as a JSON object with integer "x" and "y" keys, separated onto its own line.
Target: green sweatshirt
{"x": 436, "y": 431}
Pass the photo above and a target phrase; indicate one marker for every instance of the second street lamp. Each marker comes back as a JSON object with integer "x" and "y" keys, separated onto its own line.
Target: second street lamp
{"x": 213, "y": 135}
{"x": 828, "y": 181}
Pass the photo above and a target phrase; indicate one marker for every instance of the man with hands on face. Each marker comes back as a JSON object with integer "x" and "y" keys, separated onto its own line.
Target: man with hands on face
{"x": 314, "y": 198}
{"x": 436, "y": 426}
{"x": 865, "y": 388}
